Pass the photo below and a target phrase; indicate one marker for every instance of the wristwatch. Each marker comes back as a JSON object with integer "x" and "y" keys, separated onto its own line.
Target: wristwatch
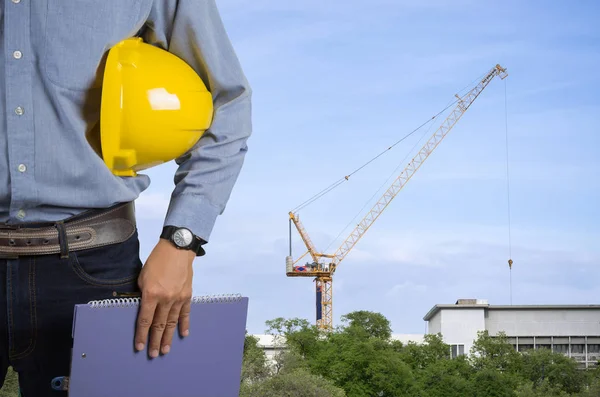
{"x": 184, "y": 239}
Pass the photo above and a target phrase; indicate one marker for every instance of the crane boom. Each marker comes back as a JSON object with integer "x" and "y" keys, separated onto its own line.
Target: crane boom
{"x": 307, "y": 241}
{"x": 323, "y": 271}
{"x": 412, "y": 167}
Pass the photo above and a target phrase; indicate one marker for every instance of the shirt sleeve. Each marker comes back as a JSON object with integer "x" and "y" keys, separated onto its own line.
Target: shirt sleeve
{"x": 205, "y": 177}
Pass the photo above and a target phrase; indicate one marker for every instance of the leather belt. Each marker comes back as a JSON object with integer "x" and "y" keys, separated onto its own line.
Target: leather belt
{"x": 91, "y": 229}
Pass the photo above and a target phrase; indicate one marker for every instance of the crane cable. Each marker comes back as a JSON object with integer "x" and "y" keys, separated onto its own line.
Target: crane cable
{"x": 510, "y": 261}
{"x": 347, "y": 177}
{"x": 394, "y": 173}
{"x": 383, "y": 185}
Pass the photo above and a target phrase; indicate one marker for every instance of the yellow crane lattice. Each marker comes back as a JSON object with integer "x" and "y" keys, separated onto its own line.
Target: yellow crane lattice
{"x": 324, "y": 265}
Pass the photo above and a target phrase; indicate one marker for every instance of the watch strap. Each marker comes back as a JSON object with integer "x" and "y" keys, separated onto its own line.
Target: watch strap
{"x": 195, "y": 245}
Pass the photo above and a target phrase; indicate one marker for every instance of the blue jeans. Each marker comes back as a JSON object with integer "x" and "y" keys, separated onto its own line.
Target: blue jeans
{"x": 37, "y": 298}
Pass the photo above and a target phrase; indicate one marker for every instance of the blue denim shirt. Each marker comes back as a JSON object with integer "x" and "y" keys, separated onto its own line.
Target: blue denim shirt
{"x": 51, "y": 59}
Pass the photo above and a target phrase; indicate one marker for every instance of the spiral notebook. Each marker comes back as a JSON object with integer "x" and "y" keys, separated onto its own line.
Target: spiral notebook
{"x": 206, "y": 363}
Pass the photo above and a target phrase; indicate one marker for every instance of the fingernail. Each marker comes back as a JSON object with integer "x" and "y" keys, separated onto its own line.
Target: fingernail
{"x": 186, "y": 332}
{"x": 154, "y": 353}
{"x": 166, "y": 349}
{"x": 139, "y": 346}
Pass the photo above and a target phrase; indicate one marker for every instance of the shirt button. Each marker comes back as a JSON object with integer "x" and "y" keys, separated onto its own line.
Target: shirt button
{"x": 16, "y": 1}
{"x": 17, "y": 54}
{"x": 21, "y": 214}
{"x": 22, "y": 167}
{"x": 19, "y": 111}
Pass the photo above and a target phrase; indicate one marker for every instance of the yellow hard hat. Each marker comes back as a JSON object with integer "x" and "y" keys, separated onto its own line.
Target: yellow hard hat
{"x": 154, "y": 108}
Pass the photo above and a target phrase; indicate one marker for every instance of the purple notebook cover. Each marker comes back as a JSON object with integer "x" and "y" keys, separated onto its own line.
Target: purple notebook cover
{"x": 207, "y": 363}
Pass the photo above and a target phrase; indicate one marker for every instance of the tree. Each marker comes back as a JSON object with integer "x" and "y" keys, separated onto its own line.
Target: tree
{"x": 362, "y": 366}
{"x": 360, "y": 358}
{"x": 446, "y": 378}
{"x": 374, "y": 325}
{"x": 254, "y": 364}
{"x": 492, "y": 383}
{"x": 494, "y": 353}
{"x": 295, "y": 335}
{"x": 299, "y": 383}
{"x": 593, "y": 388}
{"x": 420, "y": 356}
{"x": 557, "y": 370}
{"x": 542, "y": 389}
{"x": 281, "y": 326}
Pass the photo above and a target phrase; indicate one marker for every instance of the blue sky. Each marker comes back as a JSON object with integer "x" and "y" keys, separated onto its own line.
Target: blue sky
{"x": 335, "y": 83}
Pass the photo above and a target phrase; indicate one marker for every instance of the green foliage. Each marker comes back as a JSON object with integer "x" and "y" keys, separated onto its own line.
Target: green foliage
{"x": 495, "y": 353}
{"x": 254, "y": 365}
{"x": 592, "y": 389}
{"x": 432, "y": 350}
{"x": 360, "y": 358}
{"x": 445, "y": 378}
{"x": 363, "y": 367}
{"x": 298, "y": 383}
{"x": 368, "y": 323}
{"x": 541, "y": 389}
{"x": 492, "y": 383}
{"x": 558, "y": 371}
{"x": 11, "y": 385}
{"x": 281, "y": 326}
{"x": 298, "y": 334}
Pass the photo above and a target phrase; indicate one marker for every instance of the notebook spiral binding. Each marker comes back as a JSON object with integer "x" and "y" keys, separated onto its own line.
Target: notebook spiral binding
{"x": 127, "y": 302}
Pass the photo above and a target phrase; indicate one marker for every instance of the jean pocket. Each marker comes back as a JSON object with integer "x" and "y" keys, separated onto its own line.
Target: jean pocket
{"x": 113, "y": 265}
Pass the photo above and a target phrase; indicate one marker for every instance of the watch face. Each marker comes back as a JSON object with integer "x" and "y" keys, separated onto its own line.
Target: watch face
{"x": 182, "y": 237}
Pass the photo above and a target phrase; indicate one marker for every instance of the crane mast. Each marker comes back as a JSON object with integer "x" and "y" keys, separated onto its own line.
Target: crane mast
{"x": 324, "y": 265}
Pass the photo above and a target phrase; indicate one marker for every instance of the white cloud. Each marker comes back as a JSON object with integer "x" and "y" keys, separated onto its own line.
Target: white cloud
{"x": 406, "y": 286}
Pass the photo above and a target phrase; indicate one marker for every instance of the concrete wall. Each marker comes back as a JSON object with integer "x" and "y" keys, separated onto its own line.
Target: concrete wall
{"x": 460, "y": 327}
{"x": 543, "y": 322}
{"x": 406, "y": 338}
{"x": 435, "y": 324}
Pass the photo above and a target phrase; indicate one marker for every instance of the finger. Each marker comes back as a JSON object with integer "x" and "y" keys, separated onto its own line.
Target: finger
{"x": 172, "y": 319}
{"x": 184, "y": 318}
{"x": 144, "y": 321}
{"x": 159, "y": 323}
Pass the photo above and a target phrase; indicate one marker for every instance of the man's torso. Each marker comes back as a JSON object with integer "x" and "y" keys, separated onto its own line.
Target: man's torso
{"x": 51, "y": 57}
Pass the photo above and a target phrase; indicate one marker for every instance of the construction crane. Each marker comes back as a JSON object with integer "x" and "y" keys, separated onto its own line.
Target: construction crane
{"x": 323, "y": 265}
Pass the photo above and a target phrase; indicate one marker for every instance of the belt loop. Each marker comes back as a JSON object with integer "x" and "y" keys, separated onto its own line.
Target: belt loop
{"x": 62, "y": 239}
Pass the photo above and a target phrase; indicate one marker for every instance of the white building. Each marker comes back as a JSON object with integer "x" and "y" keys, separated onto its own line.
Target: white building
{"x": 573, "y": 330}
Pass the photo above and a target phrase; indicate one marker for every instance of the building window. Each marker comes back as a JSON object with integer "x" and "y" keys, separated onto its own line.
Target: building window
{"x": 561, "y": 348}
{"x": 578, "y": 349}
{"x": 457, "y": 350}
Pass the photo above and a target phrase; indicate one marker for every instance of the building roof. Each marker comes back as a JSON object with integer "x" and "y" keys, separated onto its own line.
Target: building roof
{"x": 482, "y": 304}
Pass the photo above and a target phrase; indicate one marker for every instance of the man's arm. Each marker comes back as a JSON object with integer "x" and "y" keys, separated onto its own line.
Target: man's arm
{"x": 206, "y": 175}
{"x": 193, "y": 31}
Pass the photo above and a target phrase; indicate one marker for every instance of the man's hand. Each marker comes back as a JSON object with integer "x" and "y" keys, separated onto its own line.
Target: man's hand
{"x": 166, "y": 285}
